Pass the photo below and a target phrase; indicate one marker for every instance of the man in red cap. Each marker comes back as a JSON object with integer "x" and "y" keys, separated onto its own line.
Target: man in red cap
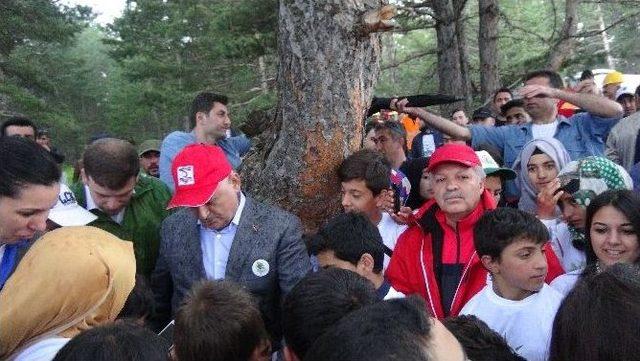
{"x": 435, "y": 256}
{"x": 222, "y": 234}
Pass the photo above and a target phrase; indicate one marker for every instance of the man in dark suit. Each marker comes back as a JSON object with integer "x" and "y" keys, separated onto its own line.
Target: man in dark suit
{"x": 221, "y": 234}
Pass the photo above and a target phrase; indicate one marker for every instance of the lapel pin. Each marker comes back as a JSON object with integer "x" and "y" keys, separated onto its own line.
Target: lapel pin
{"x": 260, "y": 268}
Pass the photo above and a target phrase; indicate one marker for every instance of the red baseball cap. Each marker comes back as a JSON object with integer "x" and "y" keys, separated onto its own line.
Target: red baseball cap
{"x": 197, "y": 170}
{"x": 453, "y": 153}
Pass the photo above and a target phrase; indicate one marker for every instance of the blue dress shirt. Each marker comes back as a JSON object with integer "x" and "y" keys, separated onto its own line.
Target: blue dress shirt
{"x": 216, "y": 245}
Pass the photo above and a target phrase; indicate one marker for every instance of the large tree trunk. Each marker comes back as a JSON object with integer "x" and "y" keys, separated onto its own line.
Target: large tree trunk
{"x": 488, "y": 44}
{"x": 465, "y": 73}
{"x": 449, "y": 72}
{"x": 327, "y": 70}
{"x": 563, "y": 48}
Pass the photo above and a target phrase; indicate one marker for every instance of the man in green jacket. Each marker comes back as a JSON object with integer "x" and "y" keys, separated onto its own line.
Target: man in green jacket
{"x": 128, "y": 206}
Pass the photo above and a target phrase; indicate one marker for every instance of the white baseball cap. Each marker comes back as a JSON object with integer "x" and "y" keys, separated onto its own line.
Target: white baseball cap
{"x": 67, "y": 212}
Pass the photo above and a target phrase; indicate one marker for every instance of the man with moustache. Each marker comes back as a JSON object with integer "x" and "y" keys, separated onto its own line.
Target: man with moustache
{"x": 435, "y": 257}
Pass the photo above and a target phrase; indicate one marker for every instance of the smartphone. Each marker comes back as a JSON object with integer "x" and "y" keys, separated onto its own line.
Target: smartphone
{"x": 397, "y": 202}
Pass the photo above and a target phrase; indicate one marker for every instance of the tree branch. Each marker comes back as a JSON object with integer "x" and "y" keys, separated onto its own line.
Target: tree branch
{"x": 587, "y": 34}
{"x": 524, "y": 30}
{"x": 409, "y": 58}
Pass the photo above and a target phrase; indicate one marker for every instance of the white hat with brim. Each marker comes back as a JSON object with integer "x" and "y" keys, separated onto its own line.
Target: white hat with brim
{"x": 67, "y": 211}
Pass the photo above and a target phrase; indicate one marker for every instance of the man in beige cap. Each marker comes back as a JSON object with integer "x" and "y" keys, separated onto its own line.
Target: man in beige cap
{"x": 149, "y": 153}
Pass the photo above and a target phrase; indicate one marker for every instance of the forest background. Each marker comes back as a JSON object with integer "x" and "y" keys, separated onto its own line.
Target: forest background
{"x": 135, "y": 78}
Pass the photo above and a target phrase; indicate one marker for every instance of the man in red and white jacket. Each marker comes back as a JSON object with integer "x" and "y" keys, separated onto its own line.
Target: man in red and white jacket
{"x": 435, "y": 257}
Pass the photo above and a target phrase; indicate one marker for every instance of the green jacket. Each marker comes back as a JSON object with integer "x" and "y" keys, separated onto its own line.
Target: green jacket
{"x": 142, "y": 219}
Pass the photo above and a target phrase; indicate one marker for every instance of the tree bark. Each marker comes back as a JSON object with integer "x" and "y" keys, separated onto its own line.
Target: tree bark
{"x": 449, "y": 72}
{"x": 465, "y": 73}
{"x": 327, "y": 70}
{"x": 488, "y": 44}
{"x": 563, "y": 48}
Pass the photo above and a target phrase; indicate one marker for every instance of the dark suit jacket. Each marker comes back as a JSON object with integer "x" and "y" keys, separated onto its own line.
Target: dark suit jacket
{"x": 264, "y": 232}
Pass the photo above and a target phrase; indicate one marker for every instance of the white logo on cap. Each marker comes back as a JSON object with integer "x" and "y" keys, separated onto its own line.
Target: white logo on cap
{"x": 260, "y": 268}
{"x": 185, "y": 175}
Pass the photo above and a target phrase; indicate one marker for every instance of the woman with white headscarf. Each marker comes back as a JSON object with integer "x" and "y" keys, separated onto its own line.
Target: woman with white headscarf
{"x": 538, "y": 165}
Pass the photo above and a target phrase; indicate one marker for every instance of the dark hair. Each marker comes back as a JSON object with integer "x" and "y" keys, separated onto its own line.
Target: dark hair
{"x": 367, "y": 165}
{"x": 598, "y": 320}
{"x": 19, "y": 122}
{"x": 349, "y": 236}
{"x": 111, "y": 162}
{"x": 395, "y": 128}
{"x": 218, "y": 320}
{"x": 513, "y": 103}
{"x": 140, "y": 303}
{"x": 638, "y": 91}
{"x": 586, "y": 74}
{"x": 203, "y": 103}
{"x": 398, "y": 329}
{"x": 555, "y": 80}
{"x": 625, "y": 201}
{"x": 319, "y": 301}
{"x": 457, "y": 110}
{"x": 120, "y": 341}
{"x": 369, "y": 126}
{"x": 22, "y": 163}
{"x": 499, "y": 228}
{"x": 480, "y": 343}
{"x": 502, "y": 90}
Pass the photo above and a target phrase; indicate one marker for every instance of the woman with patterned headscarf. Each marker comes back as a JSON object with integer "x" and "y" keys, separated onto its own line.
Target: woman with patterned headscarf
{"x": 578, "y": 183}
{"x": 72, "y": 279}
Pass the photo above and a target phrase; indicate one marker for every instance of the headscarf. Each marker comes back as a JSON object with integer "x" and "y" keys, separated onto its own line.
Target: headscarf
{"x": 72, "y": 279}
{"x": 595, "y": 175}
{"x": 549, "y": 146}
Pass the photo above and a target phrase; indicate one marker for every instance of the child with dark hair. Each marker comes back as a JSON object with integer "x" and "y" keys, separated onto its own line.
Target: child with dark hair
{"x": 398, "y": 329}
{"x": 317, "y": 303}
{"x": 140, "y": 305}
{"x": 350, "y": 241}
{"x": 598, "y": 320}
{"x": 121, "y": 341}
{"x": 219, "y": 320}
{"x": 479, "y": 341}
{"x": 516, "y": 303}
{"x": 365, "y": 178}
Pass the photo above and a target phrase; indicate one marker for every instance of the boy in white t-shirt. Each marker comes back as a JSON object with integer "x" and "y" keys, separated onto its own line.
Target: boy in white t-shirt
{"x": 517, "y": 303}
{"x": 365, "y": 178}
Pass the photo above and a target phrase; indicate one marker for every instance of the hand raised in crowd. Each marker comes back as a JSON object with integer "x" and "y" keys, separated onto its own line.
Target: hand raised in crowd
{"x": 401, "y": 107}
{"x": 385, "y": 204}
{"x": 385, "y": 201}
{"x": 587, "y": 86}
{"x": 548, "y": 198}
{"x": 404, "y": 216}
{"x": 538, "y": 91}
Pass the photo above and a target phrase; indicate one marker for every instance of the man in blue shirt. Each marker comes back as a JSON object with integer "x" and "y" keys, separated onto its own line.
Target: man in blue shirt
{"x": 583, "y": 134}
{"x": 210, "y": 122}
{"x": 219, "y": 233}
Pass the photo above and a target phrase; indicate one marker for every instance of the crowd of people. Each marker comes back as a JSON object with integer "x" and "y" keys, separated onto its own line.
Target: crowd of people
{"x": 510, "y": 236}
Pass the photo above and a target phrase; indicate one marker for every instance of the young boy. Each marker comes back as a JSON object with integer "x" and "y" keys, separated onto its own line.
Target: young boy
{"x": 516, "y": 303}
{"x": 365, "y": 177}
{"x": 350, "y": 241}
